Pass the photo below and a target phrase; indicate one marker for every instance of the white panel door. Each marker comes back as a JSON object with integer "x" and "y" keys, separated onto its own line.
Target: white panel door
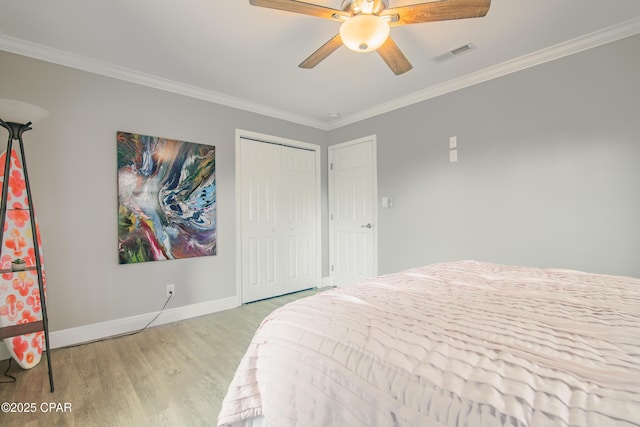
{"x": 261, "y": 226}
{"x": 279, "y": 224}
{"x": 299, "y": 216}
{"x": 352, "y": 211}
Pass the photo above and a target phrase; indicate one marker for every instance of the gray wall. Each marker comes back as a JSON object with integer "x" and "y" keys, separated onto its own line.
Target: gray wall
{"x": 547, "y": 174}
{"x": 71, "y": 156}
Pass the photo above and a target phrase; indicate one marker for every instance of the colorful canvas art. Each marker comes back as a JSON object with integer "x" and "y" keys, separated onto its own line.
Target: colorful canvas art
{"x": 166, "y": 199}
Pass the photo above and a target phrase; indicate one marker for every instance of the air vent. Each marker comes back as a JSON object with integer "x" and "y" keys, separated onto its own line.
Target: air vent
{"x": 453, "y": 53}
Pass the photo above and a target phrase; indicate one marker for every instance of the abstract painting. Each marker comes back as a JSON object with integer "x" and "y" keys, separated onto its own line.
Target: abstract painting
{"x": 166, "y": 199}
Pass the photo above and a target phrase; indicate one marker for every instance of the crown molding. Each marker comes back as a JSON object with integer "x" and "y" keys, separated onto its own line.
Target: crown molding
{"x": 579, "y": 44}
{"x": 56, "y": 56}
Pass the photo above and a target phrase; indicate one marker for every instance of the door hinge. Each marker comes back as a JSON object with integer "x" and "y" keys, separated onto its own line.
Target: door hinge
{"x": 331, "y": 165}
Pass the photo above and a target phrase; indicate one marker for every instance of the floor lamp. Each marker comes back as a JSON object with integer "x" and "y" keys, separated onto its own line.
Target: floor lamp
{"x": 24, "y": 321}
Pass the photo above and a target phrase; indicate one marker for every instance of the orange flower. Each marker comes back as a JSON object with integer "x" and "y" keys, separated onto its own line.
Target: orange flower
{"x": 17, "y": 183}
{"x": 19, "y": 215}
{"x": 5, "y": 264}
{"x": 34, "y": 300}
{"x": 12, "y": 307}
{"x": 16, "y": 242}
{"x": 19, "y": 347}
{"x": 27, "y": 318}
{"x": 38, "y": 341}
{"x": 22, "y": 283}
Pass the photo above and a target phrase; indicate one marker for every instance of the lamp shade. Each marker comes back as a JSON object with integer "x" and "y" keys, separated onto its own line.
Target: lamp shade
{"x": 364, "y": 32}
{"x": 20, "y": 112}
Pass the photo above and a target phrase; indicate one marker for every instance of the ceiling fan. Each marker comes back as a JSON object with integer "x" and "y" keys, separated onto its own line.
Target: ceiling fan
{"x": 365, "y": 24}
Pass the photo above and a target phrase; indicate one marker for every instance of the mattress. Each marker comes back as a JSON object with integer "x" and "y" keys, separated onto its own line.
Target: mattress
{"x": 453, "y": 344}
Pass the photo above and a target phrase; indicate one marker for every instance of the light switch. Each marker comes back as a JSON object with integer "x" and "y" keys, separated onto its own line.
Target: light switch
{"x": 453, "y": 142}
{"x": 386, "y": 202}
{"x": 453, "y": 156}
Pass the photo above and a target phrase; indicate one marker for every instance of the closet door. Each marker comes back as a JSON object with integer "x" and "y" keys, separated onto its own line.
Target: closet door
{"x": 279, "y": 233}
{"x": 299, "y": 216}
{"x": 261, "y": 224}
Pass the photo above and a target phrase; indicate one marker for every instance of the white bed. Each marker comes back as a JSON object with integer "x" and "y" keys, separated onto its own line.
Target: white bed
{"x": 453, "y": 344}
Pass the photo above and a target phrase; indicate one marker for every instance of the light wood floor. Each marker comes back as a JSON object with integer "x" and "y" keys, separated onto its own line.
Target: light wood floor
{"x": 170, "y": 375}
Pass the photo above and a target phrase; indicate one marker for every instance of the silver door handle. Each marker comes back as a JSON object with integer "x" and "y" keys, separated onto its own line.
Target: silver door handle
{"x": 367, "y": 226}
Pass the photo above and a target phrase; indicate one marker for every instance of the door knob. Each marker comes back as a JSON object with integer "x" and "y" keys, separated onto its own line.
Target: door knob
{"x": 367, "y": 226}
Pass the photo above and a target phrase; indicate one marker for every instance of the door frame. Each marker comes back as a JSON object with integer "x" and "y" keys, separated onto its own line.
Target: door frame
{"x": 270, "y": 139}
{"x": 372, "y": 139}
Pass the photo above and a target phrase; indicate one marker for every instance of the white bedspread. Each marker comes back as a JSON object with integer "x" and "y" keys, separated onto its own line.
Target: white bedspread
{"x": 455, "y": 344}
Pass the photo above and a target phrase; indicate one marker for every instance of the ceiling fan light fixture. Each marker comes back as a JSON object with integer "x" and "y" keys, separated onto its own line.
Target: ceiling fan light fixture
{"x": 364, "y": 32}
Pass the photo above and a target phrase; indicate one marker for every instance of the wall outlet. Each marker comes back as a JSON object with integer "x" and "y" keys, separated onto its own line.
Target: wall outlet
{"x": 453, "y": 156}
{"x": 171, "y": 290}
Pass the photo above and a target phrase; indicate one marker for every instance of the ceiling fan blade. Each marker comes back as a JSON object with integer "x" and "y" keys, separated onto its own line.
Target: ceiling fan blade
{"x": 443, "y": 10}
{"x": 393, "y": 56}
{"x": 302, "y": 7}
{"x": 325, "y": 50}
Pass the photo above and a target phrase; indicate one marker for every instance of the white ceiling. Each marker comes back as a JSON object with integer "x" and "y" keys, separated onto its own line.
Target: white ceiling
{"x": 245, "y": 56}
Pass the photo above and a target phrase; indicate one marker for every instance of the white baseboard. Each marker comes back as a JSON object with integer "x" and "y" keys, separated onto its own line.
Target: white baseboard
{"x": 96, "y": 331}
